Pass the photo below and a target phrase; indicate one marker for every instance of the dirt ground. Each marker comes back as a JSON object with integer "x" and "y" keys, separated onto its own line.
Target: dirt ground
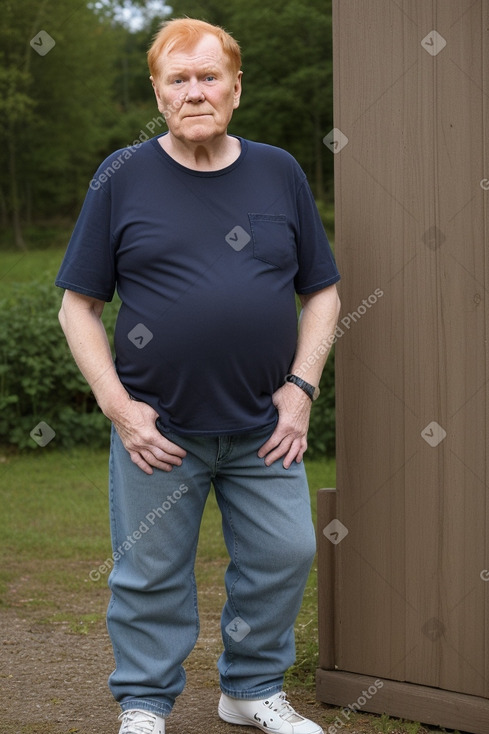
{"x": 54, "y": 680}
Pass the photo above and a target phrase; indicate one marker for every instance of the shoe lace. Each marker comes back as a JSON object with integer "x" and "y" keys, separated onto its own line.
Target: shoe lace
{"x": 283, "y": 708}
{"x": 137, "y": 722}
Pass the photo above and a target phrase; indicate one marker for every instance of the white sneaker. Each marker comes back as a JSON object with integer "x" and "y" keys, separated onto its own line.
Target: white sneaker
{"x": 136, "y": 721}
{"x": 274, "y": 714}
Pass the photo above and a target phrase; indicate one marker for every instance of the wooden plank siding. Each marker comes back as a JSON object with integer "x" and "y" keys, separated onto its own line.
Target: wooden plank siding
{"x": 412, "y": 364}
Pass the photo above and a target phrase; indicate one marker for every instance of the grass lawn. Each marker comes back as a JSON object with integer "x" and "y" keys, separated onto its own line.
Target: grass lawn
{"x": 34, "y": 265}
{"x": 54, "y": 506}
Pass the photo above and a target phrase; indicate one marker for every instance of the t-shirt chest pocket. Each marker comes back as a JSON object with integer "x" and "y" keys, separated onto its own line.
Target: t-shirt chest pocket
{"x": 273, "y": 239}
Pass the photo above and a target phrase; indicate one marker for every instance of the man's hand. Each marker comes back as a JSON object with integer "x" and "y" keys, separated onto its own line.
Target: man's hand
{"x": 140, "y": 437}
{"x": 80, "y": 318}
{"x": 316, "y": 329}
{"x": 289, "y": 438}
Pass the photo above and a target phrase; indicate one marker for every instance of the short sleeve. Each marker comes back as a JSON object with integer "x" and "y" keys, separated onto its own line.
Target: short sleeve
{"x": 317, "y": 266}
{"x": 88, "y": 266}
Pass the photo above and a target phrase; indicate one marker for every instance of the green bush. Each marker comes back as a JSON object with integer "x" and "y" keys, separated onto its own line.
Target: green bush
{"x": 39, "y": 380}
{"x": 321, "y": 439}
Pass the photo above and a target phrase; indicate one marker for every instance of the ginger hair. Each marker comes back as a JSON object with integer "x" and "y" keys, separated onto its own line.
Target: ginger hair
{"x": 183, "y": 33}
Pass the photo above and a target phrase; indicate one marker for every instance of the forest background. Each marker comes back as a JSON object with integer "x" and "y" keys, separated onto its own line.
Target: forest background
{"x": 74, "y": 87}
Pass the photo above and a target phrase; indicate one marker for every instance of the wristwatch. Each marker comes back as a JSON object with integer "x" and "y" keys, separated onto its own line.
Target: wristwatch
{"x": 311, "y": 391}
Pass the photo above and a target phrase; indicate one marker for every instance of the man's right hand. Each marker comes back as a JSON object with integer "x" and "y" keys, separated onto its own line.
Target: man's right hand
{"x": 80, "y": 318}
{"x": 147, "y": 448}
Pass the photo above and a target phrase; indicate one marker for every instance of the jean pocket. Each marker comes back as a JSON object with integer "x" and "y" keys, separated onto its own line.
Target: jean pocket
{"x": 273, "y": 239}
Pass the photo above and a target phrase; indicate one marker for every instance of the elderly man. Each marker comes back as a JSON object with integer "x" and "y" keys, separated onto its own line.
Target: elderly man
{"x": 207, "y": 237}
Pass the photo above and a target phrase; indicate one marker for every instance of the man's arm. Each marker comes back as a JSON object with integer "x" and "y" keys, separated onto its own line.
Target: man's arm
{"x": 80, "y": 319}
{"x": 317, "y": 324}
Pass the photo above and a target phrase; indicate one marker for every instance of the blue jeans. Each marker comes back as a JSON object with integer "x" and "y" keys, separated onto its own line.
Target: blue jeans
{"x": 155, "y": 519}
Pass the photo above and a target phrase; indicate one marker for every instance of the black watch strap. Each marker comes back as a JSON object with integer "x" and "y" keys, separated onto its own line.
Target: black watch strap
{"x": 311, "y": 391}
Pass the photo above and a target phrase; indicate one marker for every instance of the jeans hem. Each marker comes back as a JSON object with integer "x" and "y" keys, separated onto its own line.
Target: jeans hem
{"x": 160, "y": 709}
{"x": 253, "y": 695}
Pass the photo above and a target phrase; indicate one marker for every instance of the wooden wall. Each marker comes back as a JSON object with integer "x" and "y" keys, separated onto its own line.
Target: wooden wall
{"x": 412, "y": 198}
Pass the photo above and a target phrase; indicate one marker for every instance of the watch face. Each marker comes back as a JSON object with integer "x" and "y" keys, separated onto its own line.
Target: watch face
{"x": 316, "y": 393}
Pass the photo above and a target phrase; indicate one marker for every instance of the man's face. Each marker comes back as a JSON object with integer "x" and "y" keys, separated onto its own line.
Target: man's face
{"x": 196, "y": 91}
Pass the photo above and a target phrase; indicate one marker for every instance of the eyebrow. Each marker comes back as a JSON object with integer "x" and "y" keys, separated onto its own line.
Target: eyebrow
{"x": 179, "y": 70}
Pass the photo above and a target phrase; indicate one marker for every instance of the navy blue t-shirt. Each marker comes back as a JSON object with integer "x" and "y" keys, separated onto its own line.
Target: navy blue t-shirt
{"x": 206, "y": 265}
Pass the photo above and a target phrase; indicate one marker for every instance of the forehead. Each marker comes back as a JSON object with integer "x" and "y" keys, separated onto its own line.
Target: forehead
{"x": 205, "y": 53}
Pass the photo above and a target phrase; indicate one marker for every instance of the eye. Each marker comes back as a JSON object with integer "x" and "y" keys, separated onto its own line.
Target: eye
{"x": 210, "y": 78}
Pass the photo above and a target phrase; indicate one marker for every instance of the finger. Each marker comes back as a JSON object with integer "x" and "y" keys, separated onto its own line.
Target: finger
{"x": 273, "y": 442}
{"x": 293, "y": 454}
{"x": 302, "y": 451}
{"x": 157, "y": 456}
{"x": 164, "y": 444}
{"x": 173, "y": 449}
{"x": 159, "y": 459}
{"x": 277, "y": 453}
{"x": 167, "y": 452}
{"x": 147, "y": 459}
{"x": 292, "y": 451}
{"x": 140, "y": 462}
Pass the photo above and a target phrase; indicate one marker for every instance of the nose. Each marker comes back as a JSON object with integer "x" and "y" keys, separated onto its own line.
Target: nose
{"x": 194, "y": 92}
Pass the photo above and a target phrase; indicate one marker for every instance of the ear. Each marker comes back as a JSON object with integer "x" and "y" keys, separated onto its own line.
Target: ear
{"x": 237, "y": 90}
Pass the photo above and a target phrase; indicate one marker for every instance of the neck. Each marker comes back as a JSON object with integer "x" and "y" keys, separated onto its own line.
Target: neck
{"x": 206, "y": 156}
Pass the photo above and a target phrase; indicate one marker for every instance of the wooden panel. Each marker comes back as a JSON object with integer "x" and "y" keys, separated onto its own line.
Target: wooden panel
{"x": 484, "y": 276}
{"x": 326, "y": 514}
{"x": 412, "y": 362}
{"x": 450, "y": 652}
{"x": 406, "y": 701}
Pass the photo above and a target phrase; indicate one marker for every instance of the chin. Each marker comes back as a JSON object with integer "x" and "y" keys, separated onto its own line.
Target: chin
{"x": 201, "y": 134}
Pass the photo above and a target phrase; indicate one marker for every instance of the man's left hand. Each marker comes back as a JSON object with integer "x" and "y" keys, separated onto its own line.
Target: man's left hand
{"x": 289, "y": 439}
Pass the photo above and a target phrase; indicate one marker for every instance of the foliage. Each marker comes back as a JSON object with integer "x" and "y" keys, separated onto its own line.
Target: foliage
{"x": 39, "y": 380}
{"x": 63, "y": 112}
{"x": 321, "y": 436}
{"x": 287, "y": 81}
{"x": 56, "y": 107}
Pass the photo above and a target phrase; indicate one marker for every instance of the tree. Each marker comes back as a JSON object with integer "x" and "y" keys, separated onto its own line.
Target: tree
{"x": 15, "y": 108}
{"x": 79, "y": 90}
{"x": 287, "y": 82}
{"x": 57, "y": 68}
